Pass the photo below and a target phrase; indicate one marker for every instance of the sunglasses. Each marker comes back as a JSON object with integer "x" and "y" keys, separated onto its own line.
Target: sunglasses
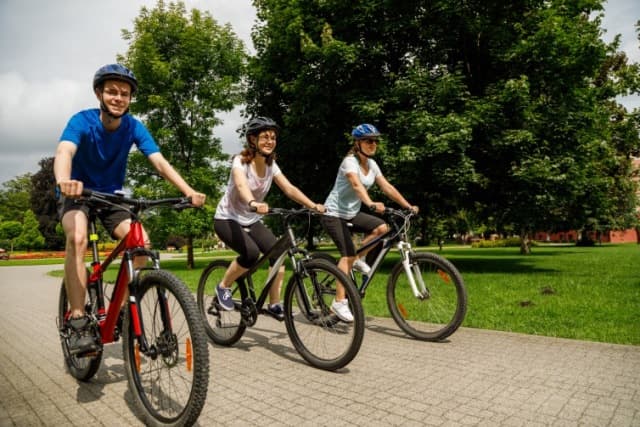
{"x": 370, "y": 141}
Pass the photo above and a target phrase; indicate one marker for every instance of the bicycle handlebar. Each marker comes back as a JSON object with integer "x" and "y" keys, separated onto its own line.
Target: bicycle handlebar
{"x": 404, "y": 213}
{"x": 139, "y": 204}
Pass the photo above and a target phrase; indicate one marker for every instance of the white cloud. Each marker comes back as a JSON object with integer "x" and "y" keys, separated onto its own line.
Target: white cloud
{"x": 49, "y": 54}
{"x": 33, "y": 114}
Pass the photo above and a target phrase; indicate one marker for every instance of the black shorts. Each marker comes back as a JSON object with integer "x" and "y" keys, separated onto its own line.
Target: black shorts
{"x": 109, "y": 217}
{"x": 340, "y": 231}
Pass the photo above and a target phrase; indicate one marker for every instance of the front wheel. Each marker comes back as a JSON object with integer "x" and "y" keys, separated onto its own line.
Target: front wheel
{"x": 440, "y": 307}
{"x": 168, "y": 366}
{"x": 315, "y": 331}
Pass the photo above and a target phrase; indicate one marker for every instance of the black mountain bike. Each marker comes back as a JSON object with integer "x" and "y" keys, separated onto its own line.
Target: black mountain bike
{"x": 166, "y": 355}
{"x": 425, "y": 292}
{"x": 315, "y": 331}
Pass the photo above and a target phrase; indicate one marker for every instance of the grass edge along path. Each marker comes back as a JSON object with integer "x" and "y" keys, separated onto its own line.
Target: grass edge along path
{"x": 572, "y": 292}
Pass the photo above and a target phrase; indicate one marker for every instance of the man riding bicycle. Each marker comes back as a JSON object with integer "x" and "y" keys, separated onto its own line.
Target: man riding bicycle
{"x": 93, "y": 153}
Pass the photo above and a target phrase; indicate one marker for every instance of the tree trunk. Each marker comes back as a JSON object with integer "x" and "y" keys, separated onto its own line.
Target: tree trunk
{"x": 525, "y": 249}
{"x": 190, "y": 259}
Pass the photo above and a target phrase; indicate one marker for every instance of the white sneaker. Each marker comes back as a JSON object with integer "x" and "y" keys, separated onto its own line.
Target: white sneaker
{"x": 341, "y": 309}
{"x": 362, "y": 267}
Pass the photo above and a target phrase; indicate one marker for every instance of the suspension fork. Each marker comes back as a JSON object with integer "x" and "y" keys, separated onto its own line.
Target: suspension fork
{"x": 412, "y": 270}
{"x": 134, "y": 308}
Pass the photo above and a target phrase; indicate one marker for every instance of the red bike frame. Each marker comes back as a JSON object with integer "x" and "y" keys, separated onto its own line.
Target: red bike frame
{"x": 133, "y": 242}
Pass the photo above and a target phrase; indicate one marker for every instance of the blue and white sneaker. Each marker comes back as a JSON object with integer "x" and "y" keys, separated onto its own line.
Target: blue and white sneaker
{"x": 224, "y": 298}
{"x": 276, "y": 311}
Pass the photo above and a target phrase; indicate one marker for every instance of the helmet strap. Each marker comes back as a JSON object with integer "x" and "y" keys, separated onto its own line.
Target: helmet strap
{"x": 359, "y": 150}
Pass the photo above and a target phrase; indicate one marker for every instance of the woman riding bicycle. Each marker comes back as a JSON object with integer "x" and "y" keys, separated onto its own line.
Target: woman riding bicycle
{"x": 93, "y": 153}
{"x": 238, "y": 216}
{"x": 358, "y": 172}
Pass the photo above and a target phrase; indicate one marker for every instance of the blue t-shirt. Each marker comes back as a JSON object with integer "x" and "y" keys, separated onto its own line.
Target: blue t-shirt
{"x": 101, "y": 159}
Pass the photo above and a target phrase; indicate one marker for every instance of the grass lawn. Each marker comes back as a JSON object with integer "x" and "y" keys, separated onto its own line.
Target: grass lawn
{"x": 560, "y": 291}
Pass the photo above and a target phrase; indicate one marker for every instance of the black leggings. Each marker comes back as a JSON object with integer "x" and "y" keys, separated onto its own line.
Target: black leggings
{"x": 247, "y": 241}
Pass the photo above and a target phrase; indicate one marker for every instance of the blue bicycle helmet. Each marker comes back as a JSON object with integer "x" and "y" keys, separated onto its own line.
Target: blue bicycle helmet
{"x": 365, "y": 130}
{"x": 115, "y": 72}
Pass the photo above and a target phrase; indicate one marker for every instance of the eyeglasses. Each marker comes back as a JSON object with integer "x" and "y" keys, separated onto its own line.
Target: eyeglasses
{"x": 371, "y": 141}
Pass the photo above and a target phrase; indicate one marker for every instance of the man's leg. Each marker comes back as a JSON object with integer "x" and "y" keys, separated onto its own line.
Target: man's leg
{"x": 74, "y": 224}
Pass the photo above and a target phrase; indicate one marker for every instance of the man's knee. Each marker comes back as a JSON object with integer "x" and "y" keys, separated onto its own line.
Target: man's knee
{"x": 76, "y": 241}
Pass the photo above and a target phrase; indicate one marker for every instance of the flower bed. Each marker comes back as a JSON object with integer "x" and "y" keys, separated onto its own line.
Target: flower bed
{"x": 46, "y": 255}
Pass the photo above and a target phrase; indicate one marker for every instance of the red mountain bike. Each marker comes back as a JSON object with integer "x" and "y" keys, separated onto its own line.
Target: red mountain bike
{"x": 165, "y": 347}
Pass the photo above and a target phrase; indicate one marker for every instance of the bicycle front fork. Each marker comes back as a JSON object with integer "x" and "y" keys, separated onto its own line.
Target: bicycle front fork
{"x": 412, "y": 270}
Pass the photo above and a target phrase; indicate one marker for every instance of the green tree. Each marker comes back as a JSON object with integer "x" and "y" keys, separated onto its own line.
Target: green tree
{"x": 14, "y": 197}
{"x": 43, "y": 204}
{"x": 188, "y": 67}
{"x": 30, "y": 237}
{"x": 505, "y": 111}
{"x": 9, "y": 231}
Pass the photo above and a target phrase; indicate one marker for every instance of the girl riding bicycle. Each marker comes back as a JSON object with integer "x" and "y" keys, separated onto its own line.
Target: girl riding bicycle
{"x": 237, "y": 219}
{"x": 358, "y": 172}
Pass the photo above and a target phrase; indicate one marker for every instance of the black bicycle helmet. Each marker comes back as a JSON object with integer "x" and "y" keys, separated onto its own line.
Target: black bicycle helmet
{"x": 258, "y": 124}
{"x": 115, "y": 72}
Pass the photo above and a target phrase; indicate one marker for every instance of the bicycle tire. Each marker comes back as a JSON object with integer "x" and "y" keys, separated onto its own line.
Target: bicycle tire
{"x": 169, "y": 385}
{"x": 316, "y": 333}
{"x": 82, "y": 368}
{"x": 222, "y": 326}
{"x": 436, "y": 316}
{"x": 325, "y": 256}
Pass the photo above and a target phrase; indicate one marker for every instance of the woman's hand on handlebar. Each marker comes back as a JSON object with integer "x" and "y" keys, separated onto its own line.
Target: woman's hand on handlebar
{"x": 197, "y": 199}
{"x": 319, "y": 207}
{"x": 259, "y": 207}
{"x": 377, "y": 207}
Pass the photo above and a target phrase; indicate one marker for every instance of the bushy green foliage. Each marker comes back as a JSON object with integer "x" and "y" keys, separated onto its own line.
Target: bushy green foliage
{"x": 510, "y": 242}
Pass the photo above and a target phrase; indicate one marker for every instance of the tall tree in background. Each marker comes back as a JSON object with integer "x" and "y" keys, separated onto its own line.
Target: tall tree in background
{"x": 14, "y": 198}
{"x": 188, "y": 68}
{"x": 43, "y": 204}
{"x": 506, "y": 111}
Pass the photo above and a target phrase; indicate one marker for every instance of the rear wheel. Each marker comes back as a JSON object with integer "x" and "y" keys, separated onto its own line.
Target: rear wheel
{"x": 82, "y": 367}
{"x": 222, "y": 326}
{"x": 318, "y": 335}
{"x": 439, "y": 309}
{"x": 168, "y": 379}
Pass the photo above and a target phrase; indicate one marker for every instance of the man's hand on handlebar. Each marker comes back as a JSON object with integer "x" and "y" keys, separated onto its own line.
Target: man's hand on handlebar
{"x": 70, "y": 188}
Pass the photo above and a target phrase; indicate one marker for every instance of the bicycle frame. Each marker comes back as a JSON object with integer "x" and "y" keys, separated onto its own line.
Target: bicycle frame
{"x": 131, "y": 246}
{"x": 395, "y": 234}
{"x": 285, "y": 246}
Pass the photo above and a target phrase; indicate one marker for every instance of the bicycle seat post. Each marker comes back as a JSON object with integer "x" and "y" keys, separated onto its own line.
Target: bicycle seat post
{"x": 96, "y": 276}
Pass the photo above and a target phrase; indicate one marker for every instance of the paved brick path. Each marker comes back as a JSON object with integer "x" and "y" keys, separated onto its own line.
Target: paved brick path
{"x": 479, "y": 377}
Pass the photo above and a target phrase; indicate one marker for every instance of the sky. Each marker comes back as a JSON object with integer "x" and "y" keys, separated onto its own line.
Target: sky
{"x": 49, "y": 51}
